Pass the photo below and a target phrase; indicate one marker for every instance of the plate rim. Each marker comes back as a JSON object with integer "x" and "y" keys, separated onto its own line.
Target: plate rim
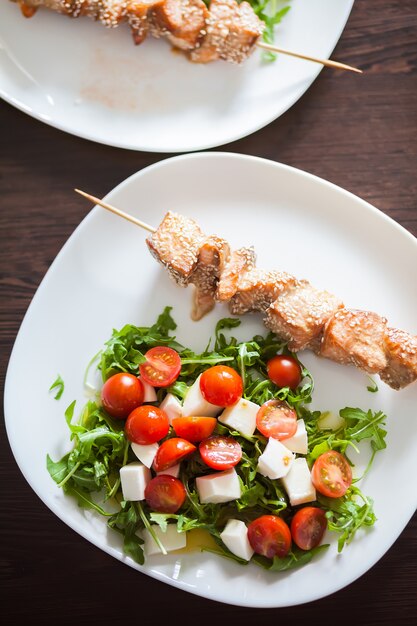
{"x": 21, "y": 106}
{"x": 8, "y": 393}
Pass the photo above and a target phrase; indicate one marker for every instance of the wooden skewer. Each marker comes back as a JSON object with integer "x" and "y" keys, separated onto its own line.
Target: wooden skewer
{"x": 118, "y": 212}
{"x": 326, "y": 62}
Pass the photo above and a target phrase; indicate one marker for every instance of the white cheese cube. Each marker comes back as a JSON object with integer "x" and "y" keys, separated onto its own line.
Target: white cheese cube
{"x": 298, "y": 483}
{"x": 149, "y": 392}
{"x": 298, "y": 442}
{"x": 172, "y": 407}
{"x": 174, "y": 470}
{"x": 276, "y": 460}
{"x": 330, "y": 421}
{"x": 195, "y": 405}
{"x": 241, "y": 416}
{"x": 171, "y": 540}
{"x": 219, "y": 487}
{"x": 145, "y": 454}
{"x": 235, "y": 537}
{"x": 134, "y": 477}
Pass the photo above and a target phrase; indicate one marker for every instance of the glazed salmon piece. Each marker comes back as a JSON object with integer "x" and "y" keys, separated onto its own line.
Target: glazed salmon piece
{"x": 182, "y": 22}
{"x": 401, "y": 353}
{"x": 258, "y": 289}
{"x": 299, "y": 315}
{"x": 212, "y": 258}
{"x": 231, "y": 32}
{"x": 241, "y": 262}
{"x": 176, "y": 245}
{"x": 356, "y": 337}
{"x": 137, "y": 13}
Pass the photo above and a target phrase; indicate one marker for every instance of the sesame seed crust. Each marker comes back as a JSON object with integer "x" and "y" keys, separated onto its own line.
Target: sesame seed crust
{"x": 227, "y": 30}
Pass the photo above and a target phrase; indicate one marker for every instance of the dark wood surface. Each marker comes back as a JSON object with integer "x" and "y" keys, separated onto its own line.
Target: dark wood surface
{"x": 359, "y": 132}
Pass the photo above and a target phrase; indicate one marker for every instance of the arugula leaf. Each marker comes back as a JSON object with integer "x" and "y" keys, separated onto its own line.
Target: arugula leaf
{"x": 373, "y": 387}
{"x": 347, "y": 514}
{"x": 296, "y": 558}
{"x": 365, "y": 425}
{"x": 128, "y": 522}
{"x": 59, "y": 385}
{"x": 57, "y": 469}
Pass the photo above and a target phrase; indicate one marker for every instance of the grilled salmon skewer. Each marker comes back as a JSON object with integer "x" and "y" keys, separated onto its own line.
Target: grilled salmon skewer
{"x": 297, "y": 312}
{"x": 228, "y": 30}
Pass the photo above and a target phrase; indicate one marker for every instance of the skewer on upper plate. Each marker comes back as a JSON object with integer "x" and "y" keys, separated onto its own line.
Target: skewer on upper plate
{"x": 226, "y": 30}
{"x": 297, "y": 312}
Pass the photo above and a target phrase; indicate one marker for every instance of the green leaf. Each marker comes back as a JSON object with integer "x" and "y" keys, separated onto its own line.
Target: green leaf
{"x": 57, "y": 469}
{"x": 59, "y": 385}
{"x": 294, "y": 559}
{"x": 365, "y": 425}
{"x": 373, "y": 387}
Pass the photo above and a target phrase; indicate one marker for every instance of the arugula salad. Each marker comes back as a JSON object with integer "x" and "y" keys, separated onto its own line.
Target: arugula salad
{"x": 221, "y": 441}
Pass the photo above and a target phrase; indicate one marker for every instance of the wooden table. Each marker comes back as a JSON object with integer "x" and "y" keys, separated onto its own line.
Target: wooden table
{"x": 358, "y": 132}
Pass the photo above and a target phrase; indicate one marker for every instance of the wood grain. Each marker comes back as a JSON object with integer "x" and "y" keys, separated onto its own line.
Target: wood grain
{"x": 359, "y": 132}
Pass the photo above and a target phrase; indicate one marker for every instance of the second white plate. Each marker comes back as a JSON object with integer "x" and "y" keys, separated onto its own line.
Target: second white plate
{"x": 93, "y": 82}
{"x": 104, "y": 277}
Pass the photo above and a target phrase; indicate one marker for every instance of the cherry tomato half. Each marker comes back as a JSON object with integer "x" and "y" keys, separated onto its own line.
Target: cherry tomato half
{"x": 331, "y": 474}
{"x": 221, "y": 385}
{"x": 162, "y": 366}
{"x": 308, "y": 527}
{"x": 276, "y": 419}
{"x": 170, "y": 452}
{"x": 270, "y": 536}
{"x": 121, "y": 394}
{"x": 194, "y": 428}
{"x": 146, "y": 424}
{"x": 165, "y": 494}
{"x": 220, "y": 453}
{"x": 284, "y": 371}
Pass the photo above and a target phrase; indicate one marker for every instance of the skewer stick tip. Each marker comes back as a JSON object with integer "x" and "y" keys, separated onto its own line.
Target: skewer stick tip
{"x": 116, "y": 211}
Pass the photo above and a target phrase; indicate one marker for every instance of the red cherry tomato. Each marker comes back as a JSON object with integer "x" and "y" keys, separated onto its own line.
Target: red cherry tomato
{"x": 308, "y": 527}
{"x": 270, "y": 536}
{"x": 194, "y": 428}
{"x": 220, "y": 453}
{"x": 162, "y": 366}
{"x": 165, "y": 494}
{"x": 276, "y": 419}
{"x": 170, "y": 452}
{"x": 121, "y": 394}
{"x": 221, "y": 385}
{"x": 146, "y": 424}
{"x": 284, "y": 371}
{"x": 331, "y": 474}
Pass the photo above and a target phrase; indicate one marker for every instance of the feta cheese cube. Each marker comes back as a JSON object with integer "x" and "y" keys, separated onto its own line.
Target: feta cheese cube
{"x": 219, "y": 487}
{"x": 172, "y": 407}
{"x": 276, "y": 460}
{"x": 172, "y": 471}
{"x": 297, "y": 483}
{"x": 241, "y": 416}
{"x": 195, "y": 405}
{"x": 235, "y": 537}
{"x": 149, "y": 392}
{"x": 145, "y": 454}
{"x": 298, "y": 442}
{"x": 134, "y": 477}
{"x": 171, "y": 540}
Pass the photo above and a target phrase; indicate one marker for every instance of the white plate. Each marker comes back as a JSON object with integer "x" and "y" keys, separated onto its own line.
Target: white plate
{"x": 93, "y": 82}
{"x": 104, "y": 277}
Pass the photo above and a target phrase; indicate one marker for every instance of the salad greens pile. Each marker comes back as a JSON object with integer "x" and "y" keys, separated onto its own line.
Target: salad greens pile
{"x": 90, "y": 472}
